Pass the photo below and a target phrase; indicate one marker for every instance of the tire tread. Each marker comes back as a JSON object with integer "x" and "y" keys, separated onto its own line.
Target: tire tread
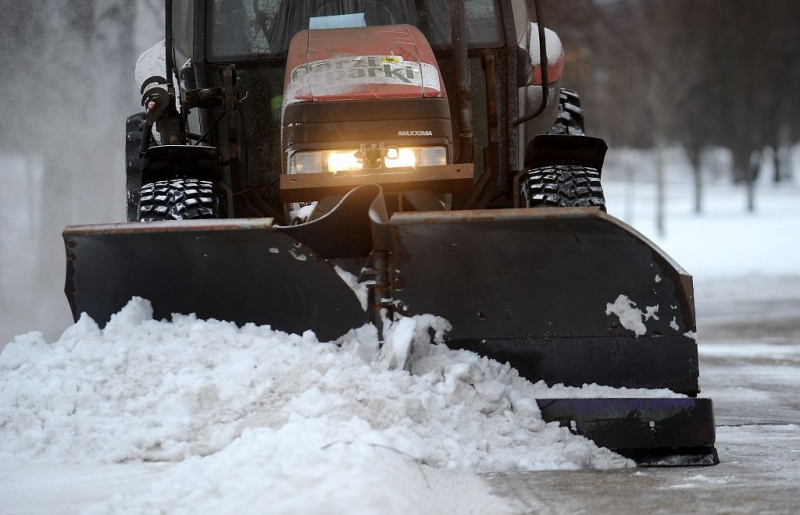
{"x": 570, "y": 115}
{"x": 562, "y": 186}
{"x": 177, "y": 199}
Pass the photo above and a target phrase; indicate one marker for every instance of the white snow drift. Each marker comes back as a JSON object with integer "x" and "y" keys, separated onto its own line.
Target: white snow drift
{"x": 255, "y": 415}
{"x": 165, "y": 391}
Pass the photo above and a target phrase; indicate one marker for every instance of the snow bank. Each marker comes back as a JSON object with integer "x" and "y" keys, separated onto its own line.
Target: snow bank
{"x": 150, "y": 390}
{"x": 286, "y": 471}
{"x": 255, "y": 416}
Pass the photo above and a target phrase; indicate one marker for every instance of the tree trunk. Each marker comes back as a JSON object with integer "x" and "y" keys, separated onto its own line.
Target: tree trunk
{"x": 741, "y": 166}
{"x": 745, "y": 171}
{"x": 695, "y": 155}
{"x": 660, "y": 188}
{"x": 752, "y": 174}
{"x": 777, "y": 175}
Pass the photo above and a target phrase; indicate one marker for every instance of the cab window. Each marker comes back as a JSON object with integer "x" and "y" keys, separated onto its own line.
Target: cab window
{"x": 262, "y": 29}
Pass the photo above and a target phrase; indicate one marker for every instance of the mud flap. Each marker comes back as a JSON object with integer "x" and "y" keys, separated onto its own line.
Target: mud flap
{"x": 242, "y": 271}
{"x": 531, "y": 287}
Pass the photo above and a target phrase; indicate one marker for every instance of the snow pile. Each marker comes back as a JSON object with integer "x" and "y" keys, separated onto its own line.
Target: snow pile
{"x": 255, "y": 417}
{"x": 287, "y": 471}
{"x": 159, "y": 391}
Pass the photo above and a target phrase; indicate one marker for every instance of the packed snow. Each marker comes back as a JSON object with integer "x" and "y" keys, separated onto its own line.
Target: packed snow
{"x": 630, "y": 316}
{"x": 166, "y": 391}
{"x": 256, "y": 417}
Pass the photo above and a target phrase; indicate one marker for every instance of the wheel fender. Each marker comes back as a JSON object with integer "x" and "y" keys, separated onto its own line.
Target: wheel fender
{"x": 553, "y": 150}
{"x": 166, "y": 162}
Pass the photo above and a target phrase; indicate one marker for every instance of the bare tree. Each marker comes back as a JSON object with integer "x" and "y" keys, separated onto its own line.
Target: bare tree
{"x": 698, "y": 73}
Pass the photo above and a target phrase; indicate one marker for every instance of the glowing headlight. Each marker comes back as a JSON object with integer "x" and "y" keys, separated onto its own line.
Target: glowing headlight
{"x": 348, "y": 160}
{"x": 400, "y": 157}
{"x": 339, "y": 161}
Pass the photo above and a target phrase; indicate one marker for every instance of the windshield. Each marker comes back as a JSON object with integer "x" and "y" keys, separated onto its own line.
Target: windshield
{"x": 262, "y": 29}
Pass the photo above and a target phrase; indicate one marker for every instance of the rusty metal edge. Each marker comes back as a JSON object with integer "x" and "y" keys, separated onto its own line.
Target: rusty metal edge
{"x": 235, "y": 224}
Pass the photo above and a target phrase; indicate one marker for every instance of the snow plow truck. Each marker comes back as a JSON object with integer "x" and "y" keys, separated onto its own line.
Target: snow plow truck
{"x": 292, "y": 152}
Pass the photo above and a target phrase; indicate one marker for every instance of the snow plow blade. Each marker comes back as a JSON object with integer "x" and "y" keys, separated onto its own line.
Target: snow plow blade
{"x": 652, "y": 432}
{"x": 235, "y": 270}
{"x": 540, "y": 289}
{"x": 532, "y": 287}
{"x": 567, "y": 296}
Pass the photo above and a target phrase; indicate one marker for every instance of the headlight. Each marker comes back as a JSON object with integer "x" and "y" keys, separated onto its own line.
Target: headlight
{"x": 348, "y": 160}
{"x": 402, "y": 157}
{"x": 340, "y": 161}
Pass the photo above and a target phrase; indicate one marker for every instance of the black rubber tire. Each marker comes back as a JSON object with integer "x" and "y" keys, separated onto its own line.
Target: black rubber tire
{"x": 179, "y": 199}
{"x": 562, "y": 186}
{"x": 570, "y": 115}
{"x": 133, "y": 163}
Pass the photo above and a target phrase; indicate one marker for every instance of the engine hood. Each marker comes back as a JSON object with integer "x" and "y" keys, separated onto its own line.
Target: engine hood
{"x": 382, "y": 62}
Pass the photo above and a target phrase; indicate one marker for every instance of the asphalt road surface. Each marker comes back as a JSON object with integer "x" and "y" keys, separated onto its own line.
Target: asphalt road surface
{"x": 750, "y": 367}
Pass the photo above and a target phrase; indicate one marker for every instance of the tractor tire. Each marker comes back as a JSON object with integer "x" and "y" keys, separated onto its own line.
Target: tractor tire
{"x": 134, "y": 126}
{"x": 561, "y": 186}
{"x": 570, "y": 115}
{"x": 179, "y": 199}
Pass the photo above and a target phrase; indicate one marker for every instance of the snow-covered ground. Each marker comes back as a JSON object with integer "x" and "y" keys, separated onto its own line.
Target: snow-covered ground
{"x": 200, "y": 416}
{"x": 725, "y": 241}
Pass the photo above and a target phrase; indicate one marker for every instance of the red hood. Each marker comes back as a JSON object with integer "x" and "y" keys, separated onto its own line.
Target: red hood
{"x": 382, "y": 62}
